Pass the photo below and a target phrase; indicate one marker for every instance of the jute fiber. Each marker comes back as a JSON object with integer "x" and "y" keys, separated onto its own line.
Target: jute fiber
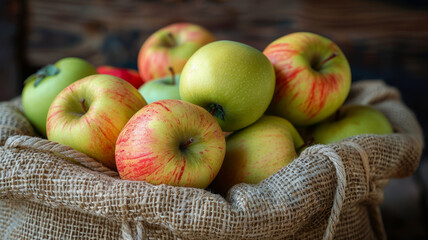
{"x": 50, "y": 191}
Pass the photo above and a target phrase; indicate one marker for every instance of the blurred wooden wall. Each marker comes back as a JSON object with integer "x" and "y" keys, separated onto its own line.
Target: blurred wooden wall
{"x": 378, "y": 35}
{"x": 12, "y": 42}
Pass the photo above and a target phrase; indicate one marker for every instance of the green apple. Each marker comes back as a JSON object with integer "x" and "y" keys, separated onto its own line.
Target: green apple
{"x": 233, "y": 81}
{"x": 313, "y": 77}
{"x": 159, "y": 89}
{"x": 257, "y": 151}
{"x": 351, "y": 120}
{"x": 170, "y": 46}
{"x": 171, "y": 142}
{"x": 42, "y": 87}
{"x": 89, "y": 114}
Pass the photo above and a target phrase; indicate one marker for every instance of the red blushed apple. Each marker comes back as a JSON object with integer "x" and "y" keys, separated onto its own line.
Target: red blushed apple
{"x": 89, "y": 114}
{"x": 170, "y": 46}
{"x": 171, "y": 142}
{"x": 130, "y": 75}
{"x": 313, "y": 77}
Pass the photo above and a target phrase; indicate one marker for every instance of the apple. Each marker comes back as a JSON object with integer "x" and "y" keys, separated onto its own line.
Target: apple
{"x": 351, "y": 120}
{"x": 42, "y": 87}
{"x": 313, "y": 77}
{"x": 284, "y": 123}
{"x": 130, "y": 75}
{"x": 171, "y": 46}
{"x": 233, "y": 81}
{"x": 257, "y": 151}
{"x": 89, "y": 114}
{"x": 163, "y": 88}
{"x": 171, "y": 142}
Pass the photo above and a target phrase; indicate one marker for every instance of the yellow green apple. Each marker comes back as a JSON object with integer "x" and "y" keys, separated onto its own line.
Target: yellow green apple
{"x": 257, "y": 151}
{"x": 171, "y": 142}
{"x": 313, "y": 77}
{"x": 42, "y": 87}
{"x": 89, "y": 114}
{"x": 349, "y": 121}
{"x": 233, "y": 81}
{"x": 170, "y": 46}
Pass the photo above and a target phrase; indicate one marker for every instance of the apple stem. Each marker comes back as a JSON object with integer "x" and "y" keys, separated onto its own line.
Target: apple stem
{"x": 172, "y": 42}
{"x": 333, "y": 55}
{"x": 82, "y": 103}
{"x": 306, "y": 144}
{"x": 187, "y": 143}
{"x": 216, "y": 110}
{"x": 172, "y": 75}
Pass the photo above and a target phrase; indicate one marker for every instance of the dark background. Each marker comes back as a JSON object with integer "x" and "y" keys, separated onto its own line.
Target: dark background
{"x": 382, "y": 39}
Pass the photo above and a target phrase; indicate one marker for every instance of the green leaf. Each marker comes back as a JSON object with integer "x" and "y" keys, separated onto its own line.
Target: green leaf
{"x": 46, "y": 71}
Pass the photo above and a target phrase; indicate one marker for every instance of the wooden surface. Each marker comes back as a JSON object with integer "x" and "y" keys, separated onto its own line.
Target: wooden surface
{"x": 11, "y": 48}
{"x": 379, "y": 35}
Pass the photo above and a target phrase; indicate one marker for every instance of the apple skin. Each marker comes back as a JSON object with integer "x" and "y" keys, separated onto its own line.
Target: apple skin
{"x": 130, "y": 75}
{"x": 161, "y": 89}
{"x": 151, "y": 147}
{"x": 170, "y": 46}
{"x": 232, "y": 80}
{"x": 257, "y": 151}
{"x": 36, "y": 100}
{"x": 309, "y": 87}
{"x": 352, "y": 120}
{"x": 89, "y": 114}
{"x": 284, "y": 123}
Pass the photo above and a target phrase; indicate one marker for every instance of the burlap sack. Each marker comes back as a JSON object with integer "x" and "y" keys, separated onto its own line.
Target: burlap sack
{"x": 330, "y": 191}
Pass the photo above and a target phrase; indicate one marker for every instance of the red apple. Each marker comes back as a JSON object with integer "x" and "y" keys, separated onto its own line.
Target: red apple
{"x": 130, "y": 75}
{"x": 171, "y": 142}
{"x": 170, "y": 46}
{"x": 313, "y": 77}
{"x": 89, "y": 114}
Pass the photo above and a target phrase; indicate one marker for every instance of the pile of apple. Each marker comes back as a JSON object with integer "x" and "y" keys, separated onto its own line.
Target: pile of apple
{"x": 231, "y": 114}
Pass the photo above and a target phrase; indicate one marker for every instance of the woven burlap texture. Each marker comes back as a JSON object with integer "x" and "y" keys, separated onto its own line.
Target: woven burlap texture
{"x": 50, "y": 191}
